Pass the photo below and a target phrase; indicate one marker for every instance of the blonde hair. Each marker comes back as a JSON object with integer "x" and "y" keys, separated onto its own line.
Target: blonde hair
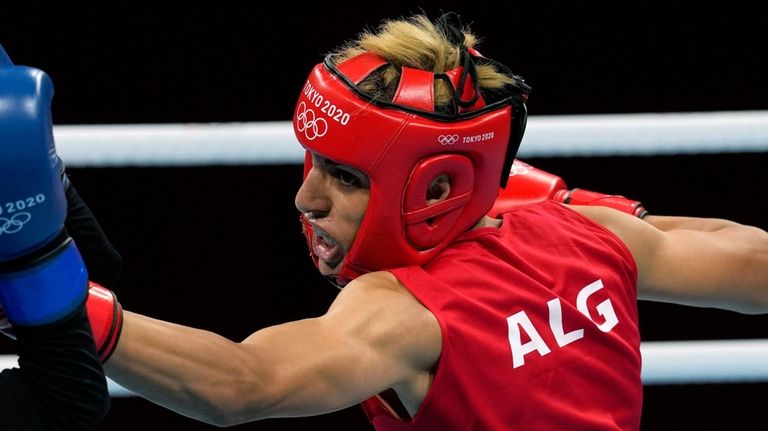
{"x": 418, "y": 43}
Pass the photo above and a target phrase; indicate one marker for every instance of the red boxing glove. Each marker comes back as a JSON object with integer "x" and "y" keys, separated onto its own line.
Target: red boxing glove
{"x": 104, "y": 313}
{"x": 528, "y": 185}
{"x": 587, "y": 197}
{"x": 106, "y": 317}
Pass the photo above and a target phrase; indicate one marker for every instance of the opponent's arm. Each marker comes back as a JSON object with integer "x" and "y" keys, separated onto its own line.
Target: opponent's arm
{"x": 43, "y": 281}
{"x": 105, "y": 320}
{"x": 104, "y": 265}
{"x": 306, "y": 367}
{"x": 102, "y": 259}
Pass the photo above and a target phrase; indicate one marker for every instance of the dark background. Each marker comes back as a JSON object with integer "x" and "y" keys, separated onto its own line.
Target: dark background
{"x": 220, "y": 247}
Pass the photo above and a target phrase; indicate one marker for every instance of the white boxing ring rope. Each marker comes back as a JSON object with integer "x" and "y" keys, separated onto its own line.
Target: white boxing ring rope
{"x": 260, "y": 143}
{"x": 264, "y": 143}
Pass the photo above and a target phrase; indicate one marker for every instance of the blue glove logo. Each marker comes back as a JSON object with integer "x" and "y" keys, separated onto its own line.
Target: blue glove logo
{"x": 15, "y": 223}
{"x": 29, "y": 183}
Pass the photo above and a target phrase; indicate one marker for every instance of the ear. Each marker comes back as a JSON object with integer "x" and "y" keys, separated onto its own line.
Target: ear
{"x": 435, "y": 195}
{"x": 439, "y": 189}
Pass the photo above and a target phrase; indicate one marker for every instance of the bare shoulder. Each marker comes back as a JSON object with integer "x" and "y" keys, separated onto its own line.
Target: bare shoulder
{"x": 379, "y": 291}
{"x": 379, "y": 280}
{"x": 377, "y": 307}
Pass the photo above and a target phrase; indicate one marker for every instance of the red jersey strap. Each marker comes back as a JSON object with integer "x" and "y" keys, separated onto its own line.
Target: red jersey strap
{"x": 375, "y": 407}
{"x": 384, "y": 417}
{"x": 106, "y": 317}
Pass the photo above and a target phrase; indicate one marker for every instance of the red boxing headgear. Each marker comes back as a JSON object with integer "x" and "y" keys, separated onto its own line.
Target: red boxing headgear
{"x": 401, "y": 146}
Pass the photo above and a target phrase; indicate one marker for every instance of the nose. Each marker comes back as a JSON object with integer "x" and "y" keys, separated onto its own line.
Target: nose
{"x": 310, "y": 198}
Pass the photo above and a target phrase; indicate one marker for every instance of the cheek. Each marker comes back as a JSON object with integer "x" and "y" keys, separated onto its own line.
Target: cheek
{"x": 360, "y": 206}
{"x": 354, "y": 217}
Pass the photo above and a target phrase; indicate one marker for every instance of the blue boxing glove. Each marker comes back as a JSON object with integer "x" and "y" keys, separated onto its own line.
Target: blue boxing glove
{"x": 42, "y": 275}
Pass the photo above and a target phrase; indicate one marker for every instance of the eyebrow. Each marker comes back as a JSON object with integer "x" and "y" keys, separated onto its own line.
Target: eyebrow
{"x": 330, "y": 162}
{"x": 333, "y": 164}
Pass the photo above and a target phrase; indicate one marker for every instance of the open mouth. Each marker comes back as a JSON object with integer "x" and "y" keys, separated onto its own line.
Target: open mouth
{"x": 326, "y": 249}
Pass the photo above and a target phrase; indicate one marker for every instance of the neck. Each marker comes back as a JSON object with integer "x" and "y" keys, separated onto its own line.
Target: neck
{"x": 488, "y": 222}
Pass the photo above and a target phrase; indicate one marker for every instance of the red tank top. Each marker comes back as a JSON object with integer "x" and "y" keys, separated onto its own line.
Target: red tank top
{"x": 539, "y": 327}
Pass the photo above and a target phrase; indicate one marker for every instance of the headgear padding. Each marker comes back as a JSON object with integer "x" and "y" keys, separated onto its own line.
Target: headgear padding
{"x": 402, "y": 146}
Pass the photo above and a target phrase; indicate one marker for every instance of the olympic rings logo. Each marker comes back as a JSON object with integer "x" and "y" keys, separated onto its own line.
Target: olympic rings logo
{"x": 307, "y": 122}
{"x": 447, "y": 139}
{"x": 15, "y": 223}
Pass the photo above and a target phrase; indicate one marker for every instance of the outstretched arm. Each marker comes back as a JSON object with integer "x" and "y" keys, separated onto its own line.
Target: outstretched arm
{"x": 60, "y": 384}
{"x": 668, "y": 223}
{"x": 709, "y": 262}
{"x": 103, "y": 261}
{"x": 312, "y": 366}
{"x": 695, "y": 261}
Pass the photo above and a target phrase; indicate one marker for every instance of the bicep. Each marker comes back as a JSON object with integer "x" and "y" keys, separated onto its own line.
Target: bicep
{"x": 359, "y": 348}
{"x": 313, "y": 368}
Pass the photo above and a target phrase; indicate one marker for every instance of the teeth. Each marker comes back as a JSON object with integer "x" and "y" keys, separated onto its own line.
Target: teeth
{"x": 324, "y": 236}
{"x": 322, "y": 239}
{"x": 328, "y": 242}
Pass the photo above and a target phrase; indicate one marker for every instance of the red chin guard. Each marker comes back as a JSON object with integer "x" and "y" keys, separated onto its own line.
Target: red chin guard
{"x": 401, "y": 146}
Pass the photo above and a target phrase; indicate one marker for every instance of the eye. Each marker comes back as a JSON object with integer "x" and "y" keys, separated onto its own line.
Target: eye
{"x": 346, "y": 178}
